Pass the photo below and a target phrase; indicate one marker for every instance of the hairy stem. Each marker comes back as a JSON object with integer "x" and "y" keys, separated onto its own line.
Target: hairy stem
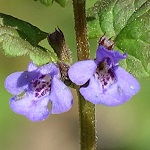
{"x": 86, "y": 109}
{"x": 81, "y": 30}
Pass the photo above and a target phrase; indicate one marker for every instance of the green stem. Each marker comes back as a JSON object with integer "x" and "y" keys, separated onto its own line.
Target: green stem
{"x": 86, "y": 109}
{"x": 81, "y": 30}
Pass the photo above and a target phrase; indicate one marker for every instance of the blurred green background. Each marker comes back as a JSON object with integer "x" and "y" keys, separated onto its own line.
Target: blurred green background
{"x": 125, "y": 127}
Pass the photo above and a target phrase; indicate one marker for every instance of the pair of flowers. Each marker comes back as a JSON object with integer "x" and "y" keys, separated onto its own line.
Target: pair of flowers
{"x": 101, "y": 81}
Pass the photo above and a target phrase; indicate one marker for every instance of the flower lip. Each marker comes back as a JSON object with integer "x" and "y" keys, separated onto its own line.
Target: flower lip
{"x": 114, "y": 56}
{"x": 33, "y": 110}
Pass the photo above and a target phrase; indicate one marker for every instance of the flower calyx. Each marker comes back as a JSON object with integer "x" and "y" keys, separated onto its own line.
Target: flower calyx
{"x": 57, "y": 42}
{"x": 107, "y": 43}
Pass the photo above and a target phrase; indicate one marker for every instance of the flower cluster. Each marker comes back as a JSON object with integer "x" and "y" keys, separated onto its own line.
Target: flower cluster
{"x": 35, "y": 89}
{"x": 102, "y": 81}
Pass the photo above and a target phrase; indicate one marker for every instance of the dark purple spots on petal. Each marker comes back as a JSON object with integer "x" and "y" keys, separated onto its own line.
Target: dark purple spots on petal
{"x": 36, "y": 94}
{"x": 107, "y": 78}
{"x": 105, "y": 83}
{"x": 111, "y": 73}
{"x": 42, "y": 85}
{"x": 43, "y": 93}
{"x": 41, "y": 77}
{"x": 35, "y": 83}
{"x": 38, "y": 89}
{"x": 104, "y": 74}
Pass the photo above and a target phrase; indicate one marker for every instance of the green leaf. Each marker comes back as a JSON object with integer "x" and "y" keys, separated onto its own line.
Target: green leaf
{"x": 18, "y": 38}
{"x": 26, "y": 31}
{"x": 46, "y": 2}
{"x": 11, "y": 42}
{"x": 62, "y": 3}
{"x": 14, "y": 45}
{"x": 40, "y": 55}
{"x": 128, "y": 23}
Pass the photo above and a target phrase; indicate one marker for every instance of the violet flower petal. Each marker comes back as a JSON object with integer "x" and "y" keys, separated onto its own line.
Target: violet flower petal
{"x": 129, "y": 85}
{"x": 115, "y": 56}
{"x": 93, "y": 91}
{"x": 81, "y": 71}
{"x": 124, "y": 89}
{"x": 117, "y": 94}
{"x": 18, "y": 82}
{"x": 32, "y": 67}
{"x": 12, "y": 85}
{"x": 33, "y": 110}
{"x": 49, "y": 68}
{"x": 111, "y": 97}
{"x": 60, "y": 97}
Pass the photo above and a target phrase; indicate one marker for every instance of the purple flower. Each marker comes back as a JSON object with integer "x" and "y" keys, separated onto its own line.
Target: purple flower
{"x": 35, "y": 88}
{"x": 102, "y": 81}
